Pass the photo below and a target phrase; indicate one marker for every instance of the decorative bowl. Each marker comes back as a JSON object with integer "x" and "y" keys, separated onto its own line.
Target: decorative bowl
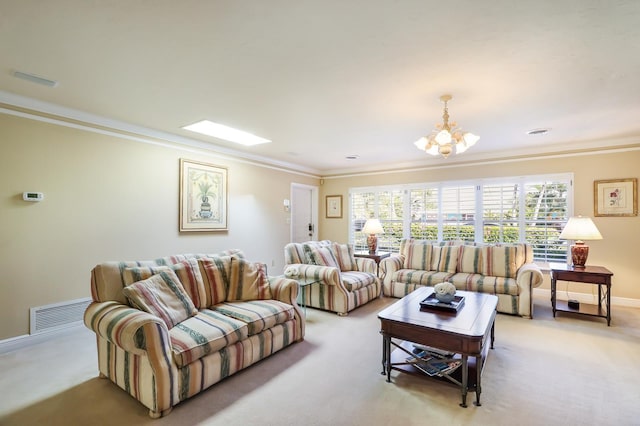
{"x": 445, "y": 298}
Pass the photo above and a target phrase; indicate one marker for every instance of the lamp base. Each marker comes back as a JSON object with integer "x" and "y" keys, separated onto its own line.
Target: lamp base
{"x": 579, "y": 254}
{"x": 372, "y": 243}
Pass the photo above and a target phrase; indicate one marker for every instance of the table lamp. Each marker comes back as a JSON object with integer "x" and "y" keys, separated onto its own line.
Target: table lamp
{"x": 579, "y": 229}
{"x": 372, "y": 227}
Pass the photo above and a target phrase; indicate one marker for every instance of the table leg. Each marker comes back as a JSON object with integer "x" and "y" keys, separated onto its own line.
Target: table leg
{"x": 387, "y": 356}
{"x": 608, "y": 305}
{"x": 465, "y": 380}
{"x": 493, "y": 333}
{"x": 384, "y": 355}
{"x": 479, "y": 366}
{"x": 553, "y": 295}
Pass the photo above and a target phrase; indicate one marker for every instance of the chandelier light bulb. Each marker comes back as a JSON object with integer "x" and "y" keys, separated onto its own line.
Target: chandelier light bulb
{"x": 443, "y": 137}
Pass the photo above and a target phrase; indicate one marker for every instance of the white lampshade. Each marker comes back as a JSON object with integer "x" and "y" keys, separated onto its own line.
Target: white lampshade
{"x": 372, "y": 226}
{"x": 580, "y": 228}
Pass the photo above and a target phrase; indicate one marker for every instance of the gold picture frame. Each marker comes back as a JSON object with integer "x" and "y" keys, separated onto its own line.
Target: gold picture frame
{"x": 615, "y": 197}
{"x": 203, "y": 197}
{"x": 334, "y": 206}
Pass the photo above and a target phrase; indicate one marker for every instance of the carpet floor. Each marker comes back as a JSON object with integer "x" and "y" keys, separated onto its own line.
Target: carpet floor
{"x": 566, "y": 370}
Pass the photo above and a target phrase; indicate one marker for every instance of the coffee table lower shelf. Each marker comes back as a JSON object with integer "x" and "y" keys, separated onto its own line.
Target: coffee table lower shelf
{"x": 405, "y": 349}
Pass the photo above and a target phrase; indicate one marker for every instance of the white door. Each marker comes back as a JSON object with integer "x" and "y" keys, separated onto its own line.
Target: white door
{"x": 304, "y": 202}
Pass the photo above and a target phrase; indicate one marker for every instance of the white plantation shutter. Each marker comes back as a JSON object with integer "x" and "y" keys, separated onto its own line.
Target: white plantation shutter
{"x": 500, "y": 213}
{"x": 424, "y": 213}
{"x": 457, "y": 210}
{"x": 546, "y": 215}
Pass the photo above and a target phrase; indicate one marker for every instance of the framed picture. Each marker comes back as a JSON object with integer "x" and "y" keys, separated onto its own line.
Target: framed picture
{"x": 615, "y": 197}
{"x": 203, "y": 197}
{"x": 334, "y": 206}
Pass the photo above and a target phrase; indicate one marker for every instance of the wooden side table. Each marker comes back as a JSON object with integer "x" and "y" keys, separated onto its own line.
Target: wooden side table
{"x": 377, "y": 257}
{"x": 597, "y": 275}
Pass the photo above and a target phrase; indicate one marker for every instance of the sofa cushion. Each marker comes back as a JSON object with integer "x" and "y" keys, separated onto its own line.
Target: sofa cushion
{"x": 444, "y": 258}
{"x": 206, "y": 332}
{"x": 259, "y": 315}
{"x": 418, "y": 255}
{"x": 415, "y": 276}
{"x": 355, "y": 280}
{"x": 499, "y": 261}
{"x": 344, "y": 255}
{"x": 321, "y": 256}
{"x": 162, "y": 295}
{"x": 248, "y": 281}
{"x": 215, "y": 272}
{"x": 470, "y": 260}
{"x": 485, "y": 284}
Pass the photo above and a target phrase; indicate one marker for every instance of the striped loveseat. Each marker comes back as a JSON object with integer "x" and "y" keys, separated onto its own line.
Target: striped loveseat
{"x": 170, "y": 328}
{"x": 506, "y": 270}
{"x": 344, "y": 281}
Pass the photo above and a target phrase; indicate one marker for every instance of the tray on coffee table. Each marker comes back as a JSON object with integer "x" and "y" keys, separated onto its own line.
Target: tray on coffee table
{"x": 432, "y": 303}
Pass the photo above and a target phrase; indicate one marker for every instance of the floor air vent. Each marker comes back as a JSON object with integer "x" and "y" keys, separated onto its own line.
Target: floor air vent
{"x": 57, "y": 315}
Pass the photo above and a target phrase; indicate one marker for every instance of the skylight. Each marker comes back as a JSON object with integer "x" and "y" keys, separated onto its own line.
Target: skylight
{"x": 227, "y": 133}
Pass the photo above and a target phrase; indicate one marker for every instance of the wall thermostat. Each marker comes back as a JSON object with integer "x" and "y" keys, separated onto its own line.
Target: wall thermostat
{"x": 32, "y": 196}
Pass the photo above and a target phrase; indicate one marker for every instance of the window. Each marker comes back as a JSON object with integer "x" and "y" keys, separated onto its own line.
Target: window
{"x": 531, "y": 209}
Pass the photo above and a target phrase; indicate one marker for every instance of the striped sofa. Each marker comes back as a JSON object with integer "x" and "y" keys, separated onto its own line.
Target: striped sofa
{"x": 344, "y": 281}
{"x": 506, "y": 270}
{"x": 170, "y": 328}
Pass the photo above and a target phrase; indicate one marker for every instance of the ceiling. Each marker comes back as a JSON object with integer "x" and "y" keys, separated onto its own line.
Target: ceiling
{"x": 329, "y": 79}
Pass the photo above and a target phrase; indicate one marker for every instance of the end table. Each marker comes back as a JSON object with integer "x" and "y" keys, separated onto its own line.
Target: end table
{"x": 597, "y": 275}
{"x": 377, "y": 257}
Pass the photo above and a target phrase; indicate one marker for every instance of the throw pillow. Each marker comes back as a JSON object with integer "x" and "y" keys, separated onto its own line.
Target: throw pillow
{"x": 470, "y": 259}
{"x": 320, "y": 256}
{"x": 344, "y": 255}
{"x": 248, "y": 281}
{"x": 444, "y": 259}
{"x": 499, "y": 261}
{"x": 215, "y": 272}
{"x": 161, "y": 295}
{"x": 187, "y": 271}
{"x": 418, "y": 255}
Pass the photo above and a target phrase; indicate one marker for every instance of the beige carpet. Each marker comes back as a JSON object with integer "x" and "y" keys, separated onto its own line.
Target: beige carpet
{"x": 545, "y": 371}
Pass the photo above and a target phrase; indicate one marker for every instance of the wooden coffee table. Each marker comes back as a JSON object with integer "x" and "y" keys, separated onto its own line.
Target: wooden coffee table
{"x": 464, "y": 333}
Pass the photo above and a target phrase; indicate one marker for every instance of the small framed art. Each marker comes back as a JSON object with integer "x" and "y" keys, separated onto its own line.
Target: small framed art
{"x": 334, "y": 206}
{"x": 203, "y": 197}
{"x": 615, "y": 197}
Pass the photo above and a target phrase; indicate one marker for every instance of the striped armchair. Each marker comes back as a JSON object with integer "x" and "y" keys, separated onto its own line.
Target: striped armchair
{"x": 344, "y": 281}
{"x": 170, "y": 328}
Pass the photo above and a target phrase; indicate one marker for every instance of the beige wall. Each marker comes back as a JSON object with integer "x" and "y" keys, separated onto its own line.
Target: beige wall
{"x": 617, "y": 251}
{"x": 109, "y": 198}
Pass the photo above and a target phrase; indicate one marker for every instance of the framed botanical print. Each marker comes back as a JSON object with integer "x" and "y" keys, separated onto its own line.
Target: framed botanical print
{"x": 615, "y": 197}
{"x": 334, "y": 206}
{"x": 203, "y": 197}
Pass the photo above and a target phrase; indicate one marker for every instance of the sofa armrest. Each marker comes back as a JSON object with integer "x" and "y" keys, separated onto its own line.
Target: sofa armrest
{"x": 529, "y": 275}
{"x": 284, "y": 289}
{"x": 366, "y": 265}
{"x": 389, "y": 265}
{"x": 327, "y": 274}
{"x": 131, "y": 329}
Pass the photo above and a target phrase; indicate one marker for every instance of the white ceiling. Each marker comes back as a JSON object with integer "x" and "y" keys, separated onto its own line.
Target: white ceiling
{"x": 328, "y": 79}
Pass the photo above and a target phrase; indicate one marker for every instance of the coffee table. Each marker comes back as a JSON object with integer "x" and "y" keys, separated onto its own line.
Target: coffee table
{"x": 464, "y": 333}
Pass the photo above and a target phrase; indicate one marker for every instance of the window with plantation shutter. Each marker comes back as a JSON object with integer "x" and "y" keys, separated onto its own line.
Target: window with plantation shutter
{"x": 532, "y": 209}
{"x": 424, "y": 213}
{"x": 458, "y": 211}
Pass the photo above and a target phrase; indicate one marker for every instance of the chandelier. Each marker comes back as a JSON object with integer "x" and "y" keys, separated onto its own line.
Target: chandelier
{"x": 446, "y": 136}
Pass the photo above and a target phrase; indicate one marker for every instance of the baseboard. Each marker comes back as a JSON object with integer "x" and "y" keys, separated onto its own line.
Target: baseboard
{"x": 26, "y": 340}
{"x": 585, "y": 298}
